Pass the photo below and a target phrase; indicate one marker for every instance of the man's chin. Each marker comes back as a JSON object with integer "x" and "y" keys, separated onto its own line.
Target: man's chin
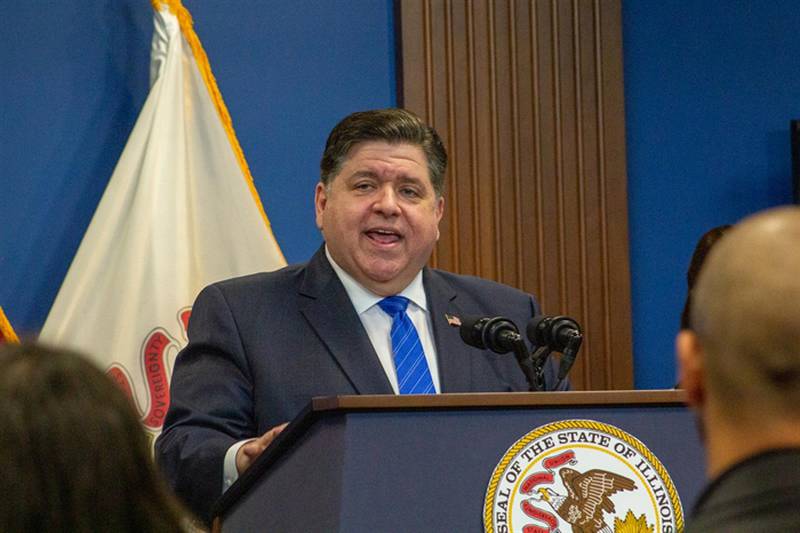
{"x": 385, "y": 281}
{"x": 382, "y": 269}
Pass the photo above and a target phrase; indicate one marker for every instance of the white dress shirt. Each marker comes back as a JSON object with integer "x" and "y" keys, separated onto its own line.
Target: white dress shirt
{"x": 378, "y": 323}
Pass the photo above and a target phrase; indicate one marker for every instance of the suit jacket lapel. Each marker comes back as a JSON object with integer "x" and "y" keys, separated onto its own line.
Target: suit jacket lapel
{"x": 454, "y": 370}
{"x": 326, "y": 306}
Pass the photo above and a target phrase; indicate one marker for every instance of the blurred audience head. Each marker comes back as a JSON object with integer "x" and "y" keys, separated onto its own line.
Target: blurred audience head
{"x": 73, "y": 455}
{"x": 740, "y": 362}
{"x": 701, "y": 250}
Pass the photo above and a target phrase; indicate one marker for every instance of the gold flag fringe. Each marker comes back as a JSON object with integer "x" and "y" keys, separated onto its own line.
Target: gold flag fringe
{"x": 187, "y": 29}
{"x": 7, "y": 333}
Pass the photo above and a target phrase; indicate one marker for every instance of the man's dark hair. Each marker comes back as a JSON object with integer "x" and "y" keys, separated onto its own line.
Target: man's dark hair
{"x": 73, "y": 454}
{"x": 704, "y": 245}
{"x": 391, "y": 125}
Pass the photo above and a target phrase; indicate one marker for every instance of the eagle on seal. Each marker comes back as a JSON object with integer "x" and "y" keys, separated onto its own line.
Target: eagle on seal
{"x": 587, "y": 498}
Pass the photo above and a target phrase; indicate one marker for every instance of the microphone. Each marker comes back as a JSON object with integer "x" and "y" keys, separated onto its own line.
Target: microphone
{"x": 498, "y": 334}
{"x": 559, "y": 333}
{"x": 554, "y": 332}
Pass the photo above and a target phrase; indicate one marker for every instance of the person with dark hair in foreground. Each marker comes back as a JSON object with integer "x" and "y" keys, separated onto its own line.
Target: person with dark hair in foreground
{"x": 704, "y": 244}
{"x": 740, "y": 368}
{"x": 363, "y": 316}
{"x": 73, "y": 455}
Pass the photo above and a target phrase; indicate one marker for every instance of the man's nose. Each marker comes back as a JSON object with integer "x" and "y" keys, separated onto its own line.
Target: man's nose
{"x": 386, "y": 203}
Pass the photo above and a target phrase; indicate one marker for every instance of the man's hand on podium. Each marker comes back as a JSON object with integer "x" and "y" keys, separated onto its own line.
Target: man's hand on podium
{"x": 250, "y": 451}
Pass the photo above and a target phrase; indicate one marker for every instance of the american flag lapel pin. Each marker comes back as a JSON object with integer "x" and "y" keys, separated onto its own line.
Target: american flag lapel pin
{"x": 453, "y": 320}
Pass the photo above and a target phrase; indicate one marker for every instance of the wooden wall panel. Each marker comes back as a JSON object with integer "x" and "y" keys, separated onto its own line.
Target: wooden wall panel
{"x": 528, "y": 98}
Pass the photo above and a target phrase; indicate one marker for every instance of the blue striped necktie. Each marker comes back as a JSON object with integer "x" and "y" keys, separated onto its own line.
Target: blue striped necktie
{"x": 413, "y": 374}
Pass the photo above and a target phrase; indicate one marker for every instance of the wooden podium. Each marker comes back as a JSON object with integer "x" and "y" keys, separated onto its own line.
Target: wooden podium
{"x": 423, "y": 463}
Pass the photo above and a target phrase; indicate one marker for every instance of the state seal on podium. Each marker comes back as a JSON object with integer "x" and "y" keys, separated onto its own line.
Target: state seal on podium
{"x": 581, "y": 475}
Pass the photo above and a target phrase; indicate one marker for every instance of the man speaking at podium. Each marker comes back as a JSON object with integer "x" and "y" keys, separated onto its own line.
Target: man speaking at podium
{"x": 363, "y": 316}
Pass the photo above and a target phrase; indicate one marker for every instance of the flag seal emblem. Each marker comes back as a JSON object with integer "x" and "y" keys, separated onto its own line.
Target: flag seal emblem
{"x": 581, "y": 475}
{"x": 157, "y": 353}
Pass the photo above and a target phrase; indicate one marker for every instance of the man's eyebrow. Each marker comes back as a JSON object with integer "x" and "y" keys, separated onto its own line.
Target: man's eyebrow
{"x": 363, "y": 174}
{"x": 403, "y": 178}
{"x": 410, "y": 178}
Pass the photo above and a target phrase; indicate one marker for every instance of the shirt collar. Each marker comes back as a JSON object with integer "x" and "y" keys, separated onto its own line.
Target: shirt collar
{"x": 364, "y": 298}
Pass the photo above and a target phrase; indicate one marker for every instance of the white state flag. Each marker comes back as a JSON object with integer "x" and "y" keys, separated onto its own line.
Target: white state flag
{"x": 179, "y": 212}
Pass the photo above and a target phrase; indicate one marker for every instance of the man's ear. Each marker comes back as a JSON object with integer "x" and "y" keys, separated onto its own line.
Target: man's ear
{"x": 691, "y": 373}
{"x": 439, "y": 208}
{"x": 439, "y": 212}
{"x": 320, "y": 200}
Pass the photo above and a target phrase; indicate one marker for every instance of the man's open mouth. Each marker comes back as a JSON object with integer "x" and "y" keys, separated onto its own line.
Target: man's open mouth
{"x": 383, "y": 236}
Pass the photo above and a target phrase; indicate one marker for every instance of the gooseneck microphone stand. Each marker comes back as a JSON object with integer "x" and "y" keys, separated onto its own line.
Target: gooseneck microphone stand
{"x": 532, "y": 364}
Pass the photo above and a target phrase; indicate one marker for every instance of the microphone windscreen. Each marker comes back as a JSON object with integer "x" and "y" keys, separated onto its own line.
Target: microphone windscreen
{"x": 536, "y": 330}
{"x": 470, "y": 331}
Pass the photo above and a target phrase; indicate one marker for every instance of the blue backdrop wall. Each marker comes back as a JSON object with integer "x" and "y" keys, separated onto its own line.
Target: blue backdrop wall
{"x": 710, "y": 88}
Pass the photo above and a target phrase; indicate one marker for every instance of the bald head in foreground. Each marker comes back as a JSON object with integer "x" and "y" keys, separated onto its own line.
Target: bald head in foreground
{"x": 740, "y": 367}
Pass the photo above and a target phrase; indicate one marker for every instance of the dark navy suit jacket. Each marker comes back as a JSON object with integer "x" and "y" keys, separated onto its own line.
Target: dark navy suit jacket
{"x": 261, "y": 346}
{"x": 758, "y": 495}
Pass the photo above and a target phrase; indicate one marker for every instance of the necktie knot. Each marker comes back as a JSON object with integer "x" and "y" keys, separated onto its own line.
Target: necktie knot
{"x": 394, "y": 305}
